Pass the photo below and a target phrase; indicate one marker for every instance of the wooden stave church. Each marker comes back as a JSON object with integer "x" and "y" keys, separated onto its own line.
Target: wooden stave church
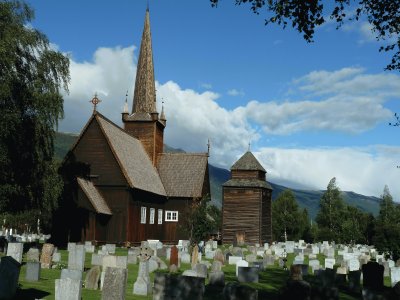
{"x": 130, "y": 173}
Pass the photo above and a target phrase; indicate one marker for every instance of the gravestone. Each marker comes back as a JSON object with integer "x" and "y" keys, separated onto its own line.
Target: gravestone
{"x": 216, "y": 266}
{"x": 15, "y": 250}
{"x": 329, "y": 263}
{"x": 218, "y": 255}
{"x": 354, "y": 265}
{"x": 68, "y": 289}
{"x": 114, "y": 284}
{"x": 97, "y": 259}
{"x": 76, "y": 258}
{"x": 71, "y": 246}
{"x": 174, "y": 259}
{"x": 234, "y": 259}
{"x": 195, "y": 256}
{"x": 171, "y": 286}
{"x": 394, "y": 275}
{"x": 46, "y": 256}
{"x": 251, "y": 258}
{"x": 110, "y": 248}
{"x": 142, "y": 286}
{"x": 9, "y": 274}
{"x": 289, "y": 246}
{"x": 71, "y": 274}
{"x": 268, "y": 260}
{"x": 33, "y": 255}
{"x": 354, "y": 281}
{"x": 241, "y": 263}
{"x": 216, "y": 278}
{"x": 92, "y": 278}
{"x": 234, "y": 290}
{"x": 201, "y": 270}
{"x": 248, "y": 274}
{"x": 373, "y": 276}
{"x": 32, "y": 271}
{"x": 185, "y": 258}
{"x": 240, "y": 238}
{"x": 56, "y": 257}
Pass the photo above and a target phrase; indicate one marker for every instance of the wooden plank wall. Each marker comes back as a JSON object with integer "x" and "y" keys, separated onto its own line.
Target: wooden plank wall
{"x": 145, "y": 132}
{"x": 243, "y": 174}
{"x": 241, "y": 212}
{"x": 266, "y": 227}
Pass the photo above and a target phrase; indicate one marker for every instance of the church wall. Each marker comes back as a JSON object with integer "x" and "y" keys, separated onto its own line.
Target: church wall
{"x": 244, "y": 174}
{"x": 172, "y": 230}
{"x": 241, "y": 212}
{"x": 266, "y": 224}
{"x": 94, "y": 150}
{"x": 159, "y": 141}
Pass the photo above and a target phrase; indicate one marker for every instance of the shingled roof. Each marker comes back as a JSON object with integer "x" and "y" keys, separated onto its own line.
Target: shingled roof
{"x": 247, "y": 183}
{"x": 132, "y": 158}
{"x": 248, "y": 162}
{"x": 183, "y": 174}
{"x": 94, "y": 196}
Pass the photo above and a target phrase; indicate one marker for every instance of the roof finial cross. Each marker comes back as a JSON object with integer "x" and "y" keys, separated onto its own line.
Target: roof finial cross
{"x": 248, "y": 149}
{"x": 95, "y": 100}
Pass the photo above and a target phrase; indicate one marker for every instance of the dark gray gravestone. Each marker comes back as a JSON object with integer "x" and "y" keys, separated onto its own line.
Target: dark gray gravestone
{"x": 297, "y": 289}
{"x": 176, "y": 287}
{"x": 304, "y": 269}
{"x": 216, "y": 278}
{"x": 258, "y": 264}
{"x": 373, "y": 276}
{"x": 341, "y": 279}
{"x": 354, "y": 281}
{"x": 32, "y": 271}
{"x": 201, "y": 270}
{"x": 248, "y": 274}
{"x": 9, "y": 274}
{"x": 326, "y": 278}
{"x": 227, "y": 256}
{"x": 92, "y": 278}
{"x": 235, "y": 291}
{"x": 114, "y": 284}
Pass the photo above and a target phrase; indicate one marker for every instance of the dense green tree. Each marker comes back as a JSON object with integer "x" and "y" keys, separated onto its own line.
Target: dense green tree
{"x": 32, "y": 75}
{"x": 199, "y": 220}
{"x": 387, "y": 227}
{"x": 289, "y": 221}
{"x": 331, "y": 214}
{"x": 306, "y": 16}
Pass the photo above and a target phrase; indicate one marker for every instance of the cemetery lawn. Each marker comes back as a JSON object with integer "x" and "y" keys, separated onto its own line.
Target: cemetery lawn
{"x": 270, "y": 283}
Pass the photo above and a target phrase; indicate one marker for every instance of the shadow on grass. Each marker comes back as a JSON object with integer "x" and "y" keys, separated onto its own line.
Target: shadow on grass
{"x": 30, "y": 294}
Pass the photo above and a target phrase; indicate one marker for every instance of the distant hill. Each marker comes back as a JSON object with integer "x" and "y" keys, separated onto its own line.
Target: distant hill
{"x": 306, "y": 198}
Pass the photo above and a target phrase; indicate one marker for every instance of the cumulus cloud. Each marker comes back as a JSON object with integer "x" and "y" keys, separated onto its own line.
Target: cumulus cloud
{"x": 328, "y": 101}
{"x": 363, "y": 170}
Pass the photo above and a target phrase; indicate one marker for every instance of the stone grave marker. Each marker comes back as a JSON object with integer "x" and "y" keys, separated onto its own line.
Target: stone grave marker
{"x": 71, "y": 246}
{"x": 76, "y": 258}
{"x": 216, "y": 266}
{"x": 234, "y": 290}
{"x": 201, "y": 270}
{"x": 248, "y": 274}
{"x": 97, "y": 259}
{"x": 241, "y": 263}
{"x": 373, "y": 276}
{"x": 15, "y": 250}
{"x": 56, "y": 257}
{"x": 171, "y": 286}
{"x": 329, "y": 263}
{"x": 354, "y": 281}
{"x": 251, "y": 258}
{"x": 92, "y": 278}
{"x": 234, "y": 259}
{"x": 219, "y": 255}
{"x": 68, "y": 289}
{"x": 216, "y": 278}
{"x": 354, "y": 265}
{"x": 289, "y": 246}
{"x": 114, "y": 283}
{"x": 9, "y": 274}
{"x": 71, "y": 274}
{"x": 33, "y": 255}
{"x": 394, "y": 275}
{"x": 268, "y": 260}
{"x": 174, "y": 259}
{"x": 110, "y": 248}
{"x": 32, "y": 271}
{"x": 195, "y": 256}
{"x": 46, "y": 256}
{"x": 142, "y": 285}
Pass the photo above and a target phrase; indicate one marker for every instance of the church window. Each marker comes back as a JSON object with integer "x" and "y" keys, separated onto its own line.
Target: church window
{"x": 143, "y": 215}
{"x": 160, "y": 216}
{"x": 152, "y": 215}
{"x": 171, "y": 216}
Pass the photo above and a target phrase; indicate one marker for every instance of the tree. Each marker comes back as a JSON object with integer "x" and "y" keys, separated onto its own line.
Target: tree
{"x": 199, "y": 220}
{"x": 32, "y": 75}
{"x": 331, "y": 213}
{"x": 306, "y": 16}
{"x": 289, "y": 221}
{"x": 387, "y": 226}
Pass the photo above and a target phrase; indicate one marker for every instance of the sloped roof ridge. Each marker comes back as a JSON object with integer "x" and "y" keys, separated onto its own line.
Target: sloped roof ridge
{"x": 248, "y": 162}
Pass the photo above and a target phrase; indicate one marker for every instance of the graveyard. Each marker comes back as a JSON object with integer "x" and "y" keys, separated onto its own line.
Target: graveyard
{"x": 157, "y": 271}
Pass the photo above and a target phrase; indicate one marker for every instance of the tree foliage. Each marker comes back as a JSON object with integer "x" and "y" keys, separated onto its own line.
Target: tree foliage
{"x": 200, "y": 219}
{"x": 289, "y": 220}
{"x": 306, "y": 16}
{"x": 387, "y": 227}
{"x": 32, "y": 75}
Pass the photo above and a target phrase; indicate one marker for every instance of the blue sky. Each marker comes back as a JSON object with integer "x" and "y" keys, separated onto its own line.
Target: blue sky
{"x": 311, "y": 111}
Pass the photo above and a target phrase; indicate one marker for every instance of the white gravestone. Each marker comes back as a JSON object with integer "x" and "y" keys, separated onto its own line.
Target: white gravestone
{"x": 241, "y": 263}
{"x": 329, "y": 263}
{"x": 354, "y": 265}
{"x": 394, "y": 275}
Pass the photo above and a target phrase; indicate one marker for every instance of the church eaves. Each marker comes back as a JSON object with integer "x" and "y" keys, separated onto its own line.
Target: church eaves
{"x": 144, "y": 99}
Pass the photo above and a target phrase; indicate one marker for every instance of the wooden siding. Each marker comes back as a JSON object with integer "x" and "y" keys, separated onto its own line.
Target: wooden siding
{"x": 241, "y": 212}
{"x": 94, "y": 150}
{"x": 172, "y": 230}
{"x": 206, "y": 184}
{"x": 266, "y": 224}
{"x": 245, "y": 174}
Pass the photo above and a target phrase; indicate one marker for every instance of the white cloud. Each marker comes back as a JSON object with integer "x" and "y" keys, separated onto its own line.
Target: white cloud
{"x": 362, "y": 170}
{"x": 205, "y": 85}
{"x": 235, "y": 92}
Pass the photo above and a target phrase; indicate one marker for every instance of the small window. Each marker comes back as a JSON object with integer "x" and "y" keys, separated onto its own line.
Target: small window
{"x": 171, "y": 216}
{"x": 143, "y": 215}
{"x": 160, "y": 216}
{"x": 152, "y": 215}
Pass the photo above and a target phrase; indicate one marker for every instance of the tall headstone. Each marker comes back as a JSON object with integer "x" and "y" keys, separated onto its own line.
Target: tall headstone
{"x": 32, "y": 271}
{"x": 174, "y": 259}
{"x": 15, "y": 250}
{"x": 76, "y": 258}
{"x": 142, "y": 286}
{"x": 68, "y": 289}
{"x": 373, "y": 276}
{"x": 92, "y": 278}
{"x": 46, "y": 256}
{"x": 71, "y": 274}
{"x": 114, "y": 284}
{"x": 9, "y": 274}
{"x": 195, "y": 256}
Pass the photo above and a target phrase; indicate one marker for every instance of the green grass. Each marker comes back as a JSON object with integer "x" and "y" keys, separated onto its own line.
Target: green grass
{"x": 269, "y": 286}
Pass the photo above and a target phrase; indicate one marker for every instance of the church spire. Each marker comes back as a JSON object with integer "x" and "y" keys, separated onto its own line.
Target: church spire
{"x": 144, "y": 99}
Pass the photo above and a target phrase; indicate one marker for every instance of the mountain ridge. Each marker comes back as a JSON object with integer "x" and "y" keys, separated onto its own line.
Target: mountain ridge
{"x": 305, "y": 198}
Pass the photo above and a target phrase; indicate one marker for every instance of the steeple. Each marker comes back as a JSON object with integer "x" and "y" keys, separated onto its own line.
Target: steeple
{"x": 144, "y": 99}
